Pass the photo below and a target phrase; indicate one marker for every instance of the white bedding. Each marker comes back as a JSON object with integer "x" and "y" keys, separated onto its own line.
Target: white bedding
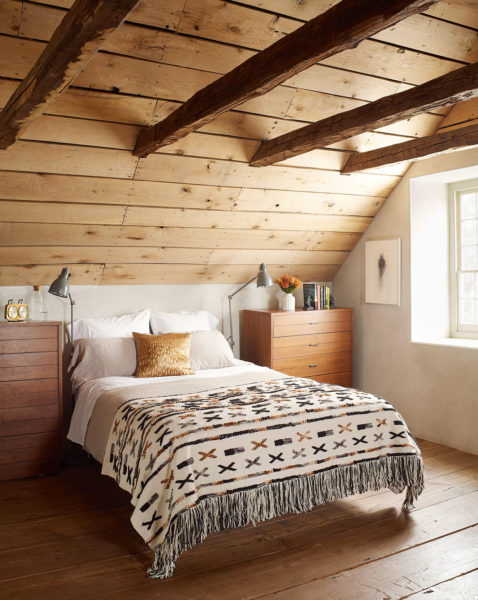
{"x": 90, "y": 391}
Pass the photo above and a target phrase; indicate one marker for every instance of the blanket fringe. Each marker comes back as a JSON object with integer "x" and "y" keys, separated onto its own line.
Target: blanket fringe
{"x": 298, "y": 494}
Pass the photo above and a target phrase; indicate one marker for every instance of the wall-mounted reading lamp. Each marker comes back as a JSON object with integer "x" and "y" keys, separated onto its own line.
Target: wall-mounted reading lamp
{"x": 61, "y": 287}
{"x": 263, "y": 280}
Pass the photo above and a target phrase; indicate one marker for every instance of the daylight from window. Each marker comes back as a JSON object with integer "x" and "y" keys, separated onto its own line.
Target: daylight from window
{"x": 467, "y": 259}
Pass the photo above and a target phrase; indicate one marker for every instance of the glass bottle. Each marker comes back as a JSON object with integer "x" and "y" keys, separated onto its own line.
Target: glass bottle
{"x": 44, "y": 306}
{"x": 36, "y": 304}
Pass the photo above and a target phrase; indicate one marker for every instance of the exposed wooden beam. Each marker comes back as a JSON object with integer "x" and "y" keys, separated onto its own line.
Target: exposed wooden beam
{"x": 445, "y": 90}
{"x": 341, "y": 27}
{"x": 79, "y": 36}
{"x": 414, "y": 149}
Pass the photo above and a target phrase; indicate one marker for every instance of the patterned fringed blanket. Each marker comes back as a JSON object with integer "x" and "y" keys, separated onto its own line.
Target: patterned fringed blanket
{"x": 197, "y": 463}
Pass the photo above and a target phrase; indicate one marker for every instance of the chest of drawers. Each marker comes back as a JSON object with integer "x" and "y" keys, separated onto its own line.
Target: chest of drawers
{"x": 30, "y": 398}
{"x": 315, "y": 344}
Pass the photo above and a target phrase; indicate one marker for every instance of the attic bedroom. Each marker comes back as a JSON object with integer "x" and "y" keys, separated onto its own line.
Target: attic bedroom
{"x": 239, "y": 299}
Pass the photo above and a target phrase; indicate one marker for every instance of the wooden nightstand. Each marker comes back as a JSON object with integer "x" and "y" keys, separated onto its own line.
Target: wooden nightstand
{"x": 30, "y": 398}
{"x": 304, "y": 343}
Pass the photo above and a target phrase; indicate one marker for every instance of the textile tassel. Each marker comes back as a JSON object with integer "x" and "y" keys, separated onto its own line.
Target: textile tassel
{"x": 295, "y": 495}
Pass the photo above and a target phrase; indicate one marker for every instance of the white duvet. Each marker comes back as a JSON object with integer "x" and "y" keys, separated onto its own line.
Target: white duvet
{"x": 90, "y": 391}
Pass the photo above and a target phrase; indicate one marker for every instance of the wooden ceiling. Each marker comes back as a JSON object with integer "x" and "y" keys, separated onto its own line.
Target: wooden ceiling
{"x": 73, "y": 194}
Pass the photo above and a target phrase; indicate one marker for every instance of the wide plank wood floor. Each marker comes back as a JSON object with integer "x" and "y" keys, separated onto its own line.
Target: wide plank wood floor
{"x": 68, "y": 536}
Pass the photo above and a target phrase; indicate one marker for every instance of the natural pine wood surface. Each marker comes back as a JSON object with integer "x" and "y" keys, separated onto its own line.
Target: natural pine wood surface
{"x": 68, "y": 536}
{"x": 76, "y": 158}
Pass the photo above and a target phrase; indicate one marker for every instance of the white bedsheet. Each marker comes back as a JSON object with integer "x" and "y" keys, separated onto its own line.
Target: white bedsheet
{"x": 90, "y": 391}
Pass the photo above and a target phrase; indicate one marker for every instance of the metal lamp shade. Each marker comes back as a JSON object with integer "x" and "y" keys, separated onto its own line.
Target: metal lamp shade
{"x": 61, "y": 285}
{"x": 264, "y": 279}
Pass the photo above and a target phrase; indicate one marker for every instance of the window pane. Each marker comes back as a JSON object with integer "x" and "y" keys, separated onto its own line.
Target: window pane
{"x": 469, "y": 232}
{"x": 467, "y": 312}
{"x": 468, "y": 206}
{"x": 466, "y": 282}
{"x": 469, "y": 257}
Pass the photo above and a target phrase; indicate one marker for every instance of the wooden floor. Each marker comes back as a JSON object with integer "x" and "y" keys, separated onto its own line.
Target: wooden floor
{"x": 68, "y": 536}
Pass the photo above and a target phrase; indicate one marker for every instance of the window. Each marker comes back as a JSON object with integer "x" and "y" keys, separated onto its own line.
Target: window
{"x": 464, "y": 258}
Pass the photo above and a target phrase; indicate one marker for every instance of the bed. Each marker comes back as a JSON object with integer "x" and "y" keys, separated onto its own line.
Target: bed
{"x": 233, "y": 445}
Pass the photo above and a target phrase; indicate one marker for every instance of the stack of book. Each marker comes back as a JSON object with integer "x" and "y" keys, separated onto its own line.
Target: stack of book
{"x": 317, "y": 296}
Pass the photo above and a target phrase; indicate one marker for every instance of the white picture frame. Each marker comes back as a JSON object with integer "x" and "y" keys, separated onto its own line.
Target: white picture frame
{"x": 382, "y": 272}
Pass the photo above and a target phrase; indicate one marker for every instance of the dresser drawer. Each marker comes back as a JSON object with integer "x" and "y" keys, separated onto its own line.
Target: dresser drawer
{"x": 307, "y": 366}
{"x": 33, "y": 392}
{"x": 313, "y": 322}
{"x": 33, "y": 372}
{"x": 49, "y": 422}
{"x": 308, "y": 345}
{"x": 20, "y": 331}
{"x": 310, "y": 328}
{"x": 313, "y": 317}
{"x": 29, "y": 413}
{"x": 35, "y": 419}
{"x": 34, "y": 447}
{"x": 28, "y": 359}
{"x": 343, "y": 379}
{"x": 35, "y": 345}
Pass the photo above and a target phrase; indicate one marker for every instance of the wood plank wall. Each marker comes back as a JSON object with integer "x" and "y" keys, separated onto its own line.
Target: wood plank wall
{"x": 71, "y": 193}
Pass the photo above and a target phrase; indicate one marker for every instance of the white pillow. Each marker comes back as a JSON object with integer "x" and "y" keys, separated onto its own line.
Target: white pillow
{"x": 210, "y": 350}
{"x": 182, "y": 322}
{"x": 102, "y": 357}
{"x": 107, "y": 327}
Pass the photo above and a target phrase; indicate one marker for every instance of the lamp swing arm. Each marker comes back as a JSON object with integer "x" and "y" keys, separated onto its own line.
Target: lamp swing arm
{"x": 230, "y": 338}
{"x": 72, "y": 304}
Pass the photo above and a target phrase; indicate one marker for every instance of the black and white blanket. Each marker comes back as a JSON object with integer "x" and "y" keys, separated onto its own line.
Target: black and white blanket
{"x": 201, "y": 462}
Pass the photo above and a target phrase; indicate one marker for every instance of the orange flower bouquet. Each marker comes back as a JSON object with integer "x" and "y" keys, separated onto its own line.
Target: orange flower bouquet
{"x": 288, "y": 283}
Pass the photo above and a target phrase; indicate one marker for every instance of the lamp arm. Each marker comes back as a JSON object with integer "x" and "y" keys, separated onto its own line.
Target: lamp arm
{"x": 230, "y": 338}
{"x": 72, "y": 304}
{"x": 244, "y": 285}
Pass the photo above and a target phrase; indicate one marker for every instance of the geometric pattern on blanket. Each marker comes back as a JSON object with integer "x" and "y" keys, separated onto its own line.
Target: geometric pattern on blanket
{"x": 196, "y": 463}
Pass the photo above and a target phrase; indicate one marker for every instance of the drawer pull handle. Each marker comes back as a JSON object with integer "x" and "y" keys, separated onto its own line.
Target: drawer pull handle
{"x": 313, "y": 365}
{"x": 316, "y": 344}
{"x": 314, "y": 323}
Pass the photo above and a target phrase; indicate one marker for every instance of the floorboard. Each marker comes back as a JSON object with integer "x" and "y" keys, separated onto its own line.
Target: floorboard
{"x": 68, "y": 536}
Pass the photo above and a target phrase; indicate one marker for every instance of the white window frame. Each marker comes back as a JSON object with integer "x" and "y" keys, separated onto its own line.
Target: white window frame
{"x": 455, "y": 190}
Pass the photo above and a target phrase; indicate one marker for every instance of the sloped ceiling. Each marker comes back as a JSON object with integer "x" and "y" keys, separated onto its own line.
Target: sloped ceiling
{"x": 71, "y": 192}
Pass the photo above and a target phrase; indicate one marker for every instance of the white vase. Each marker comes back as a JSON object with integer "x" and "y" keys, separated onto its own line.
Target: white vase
{"x": 287, "y": 301}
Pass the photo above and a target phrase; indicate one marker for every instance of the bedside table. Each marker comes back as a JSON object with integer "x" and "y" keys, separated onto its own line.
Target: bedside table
{"x": 305, "y": 343}
{"x": 30, "y": 398}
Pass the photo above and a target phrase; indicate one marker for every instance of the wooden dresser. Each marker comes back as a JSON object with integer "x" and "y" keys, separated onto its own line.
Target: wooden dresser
{"x": 30, "y": 398}
{"x": 304, "y": 343}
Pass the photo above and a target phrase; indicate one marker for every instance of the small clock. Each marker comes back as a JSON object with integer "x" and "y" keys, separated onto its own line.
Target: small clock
{"x": 16, "y": 311}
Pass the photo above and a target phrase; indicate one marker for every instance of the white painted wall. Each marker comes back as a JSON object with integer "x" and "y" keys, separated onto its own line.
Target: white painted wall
{"x": 434, "y": 386}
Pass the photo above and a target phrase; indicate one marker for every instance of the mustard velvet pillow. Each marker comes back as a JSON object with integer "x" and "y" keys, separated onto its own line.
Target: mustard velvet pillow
{"x": 162, "y": 355}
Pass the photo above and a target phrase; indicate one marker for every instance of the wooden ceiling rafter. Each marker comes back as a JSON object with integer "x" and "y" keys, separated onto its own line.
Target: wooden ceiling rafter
{"x": 446, "y": 90}
{"x": 414, "y": 149}
{"x": 79, "y": 36}
{"x": 318, "y": 39}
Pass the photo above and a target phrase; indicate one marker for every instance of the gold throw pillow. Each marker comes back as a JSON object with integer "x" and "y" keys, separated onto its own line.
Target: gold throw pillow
{"x": 162, "y": 355}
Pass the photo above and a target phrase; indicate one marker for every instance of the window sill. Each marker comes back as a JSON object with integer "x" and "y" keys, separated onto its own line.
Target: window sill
{"x": 453, "y": 342}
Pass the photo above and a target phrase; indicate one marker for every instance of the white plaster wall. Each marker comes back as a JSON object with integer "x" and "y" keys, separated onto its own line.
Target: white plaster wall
{"x": 435, "y": 387}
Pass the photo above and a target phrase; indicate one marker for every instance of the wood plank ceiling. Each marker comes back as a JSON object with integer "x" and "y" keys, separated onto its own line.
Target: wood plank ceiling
{"x": 72, "y": 193}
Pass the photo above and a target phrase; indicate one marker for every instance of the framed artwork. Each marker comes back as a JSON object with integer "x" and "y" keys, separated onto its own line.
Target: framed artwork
{"x": 382, "y": 272}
